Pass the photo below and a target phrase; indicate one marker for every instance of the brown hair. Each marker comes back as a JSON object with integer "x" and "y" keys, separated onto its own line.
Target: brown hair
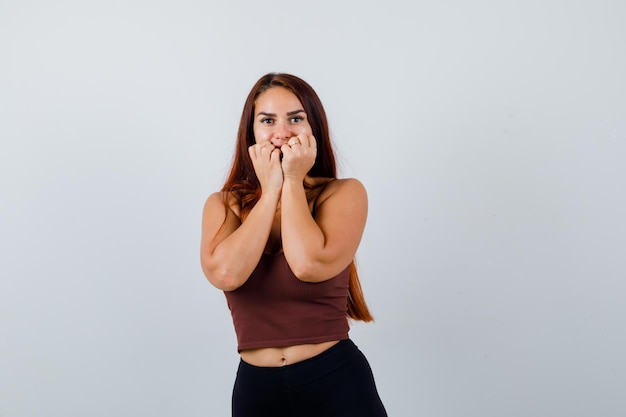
{"x": 243, "y": 183}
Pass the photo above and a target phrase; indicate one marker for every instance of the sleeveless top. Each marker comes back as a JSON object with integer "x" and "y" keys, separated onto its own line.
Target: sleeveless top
{"x": 273, "y": 308}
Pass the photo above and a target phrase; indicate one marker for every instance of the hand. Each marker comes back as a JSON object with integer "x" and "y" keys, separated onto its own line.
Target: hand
{"x": 266, "y": 162}
{"x": 299, "y": 155}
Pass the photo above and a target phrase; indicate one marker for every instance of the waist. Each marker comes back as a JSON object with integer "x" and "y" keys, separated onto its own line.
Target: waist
{"x": 302, "y": 372}
{"x": 272, "y": 357}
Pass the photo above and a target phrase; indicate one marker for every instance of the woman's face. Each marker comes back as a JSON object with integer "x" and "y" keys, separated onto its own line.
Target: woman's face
{"x": 279, "y": 116}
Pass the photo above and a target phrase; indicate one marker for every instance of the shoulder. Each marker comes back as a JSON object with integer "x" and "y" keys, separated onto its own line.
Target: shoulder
{"x": 343, "y": 188}
{"x": 344, "y": 185}
{"x": 221, "y": 200}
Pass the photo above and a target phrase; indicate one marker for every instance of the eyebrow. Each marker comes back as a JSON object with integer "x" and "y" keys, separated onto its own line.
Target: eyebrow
{"x": 291, "y": 113}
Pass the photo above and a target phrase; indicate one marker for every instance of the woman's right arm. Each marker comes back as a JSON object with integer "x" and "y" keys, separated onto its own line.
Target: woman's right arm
{"x": 229, "y": 256}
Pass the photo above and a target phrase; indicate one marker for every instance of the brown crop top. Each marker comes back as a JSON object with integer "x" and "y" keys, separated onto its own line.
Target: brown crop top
{"x": 274, "y": 308}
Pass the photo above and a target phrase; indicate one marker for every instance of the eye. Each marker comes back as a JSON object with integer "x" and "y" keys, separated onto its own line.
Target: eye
{"x": 296, "y": 119}
{"x": 267, "y": 121}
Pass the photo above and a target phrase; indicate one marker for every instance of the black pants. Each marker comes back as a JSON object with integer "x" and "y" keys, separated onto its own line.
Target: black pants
{"x": 337, "y": 383}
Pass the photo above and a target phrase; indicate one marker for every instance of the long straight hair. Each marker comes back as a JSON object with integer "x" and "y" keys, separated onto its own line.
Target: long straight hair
{"x": 243, "y": 183}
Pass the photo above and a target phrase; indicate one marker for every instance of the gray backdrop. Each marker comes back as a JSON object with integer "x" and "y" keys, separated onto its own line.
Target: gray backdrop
{"x": 490, "y": 136}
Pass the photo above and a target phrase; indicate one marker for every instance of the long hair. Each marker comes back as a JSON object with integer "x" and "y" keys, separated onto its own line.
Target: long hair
{"x": 243, "y": 183}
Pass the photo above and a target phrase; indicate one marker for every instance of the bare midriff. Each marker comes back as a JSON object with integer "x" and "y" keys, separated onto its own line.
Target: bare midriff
{"x": 281, "y": 356}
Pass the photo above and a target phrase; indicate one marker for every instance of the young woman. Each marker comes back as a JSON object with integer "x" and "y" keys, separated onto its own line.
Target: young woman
{"x": 279, "y": 240}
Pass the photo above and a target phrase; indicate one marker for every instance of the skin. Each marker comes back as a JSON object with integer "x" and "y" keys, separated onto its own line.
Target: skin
{"x": 316, "y": 248}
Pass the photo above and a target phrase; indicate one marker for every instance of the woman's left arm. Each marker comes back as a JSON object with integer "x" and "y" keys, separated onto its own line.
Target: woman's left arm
{"x": 319, "y": 248}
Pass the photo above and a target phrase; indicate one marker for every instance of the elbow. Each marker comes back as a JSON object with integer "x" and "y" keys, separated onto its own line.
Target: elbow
{"x": 225, "y": 283}
{"x": 229, "y": 282}
{"x": 314, "y": 270}
{"x": 222, "y": 279}
{"x": 305, "y": 271}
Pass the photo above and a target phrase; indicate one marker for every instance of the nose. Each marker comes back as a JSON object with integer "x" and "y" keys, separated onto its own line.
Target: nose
{"x": 282, "y": 133}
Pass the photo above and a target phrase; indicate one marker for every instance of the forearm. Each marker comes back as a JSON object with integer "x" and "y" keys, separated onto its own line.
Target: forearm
{"x": 234, "y": 258}
{"x": 303, "y": 240}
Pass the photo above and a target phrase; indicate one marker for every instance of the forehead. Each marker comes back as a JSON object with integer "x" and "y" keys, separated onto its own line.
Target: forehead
{"x": 277, "y": 98}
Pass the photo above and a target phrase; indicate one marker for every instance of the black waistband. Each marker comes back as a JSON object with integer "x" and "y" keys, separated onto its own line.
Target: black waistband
{"x": 302, "y": 372}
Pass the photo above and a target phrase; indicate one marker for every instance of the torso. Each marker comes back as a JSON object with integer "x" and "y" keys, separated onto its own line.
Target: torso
{"x": 281, "y": 356}
{"x": 286, "y": 355}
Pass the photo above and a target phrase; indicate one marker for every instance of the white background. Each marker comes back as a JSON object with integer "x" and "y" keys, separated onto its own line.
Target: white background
{"x": 490, "y": 136}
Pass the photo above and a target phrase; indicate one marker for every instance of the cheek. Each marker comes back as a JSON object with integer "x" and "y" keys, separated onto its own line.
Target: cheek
{"x": 259, "y": 136}
{"x": 306, "y": 129}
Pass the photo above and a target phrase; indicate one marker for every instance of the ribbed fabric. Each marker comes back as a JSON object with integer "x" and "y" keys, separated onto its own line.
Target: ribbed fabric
{"x": 274, "y": 308}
